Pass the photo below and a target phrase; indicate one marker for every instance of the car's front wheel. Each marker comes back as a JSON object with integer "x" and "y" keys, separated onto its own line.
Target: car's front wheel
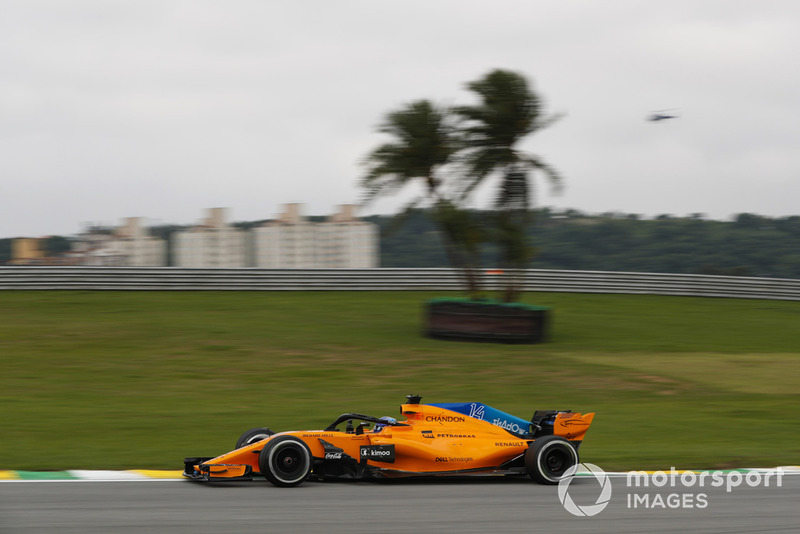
{"x": 285, "y": 461}
{"x": 548, "y": 458}
{"x": 253, "y": 435}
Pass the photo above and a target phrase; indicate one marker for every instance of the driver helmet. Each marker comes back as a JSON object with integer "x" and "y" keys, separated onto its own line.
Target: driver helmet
{"x": 385, "y": 421}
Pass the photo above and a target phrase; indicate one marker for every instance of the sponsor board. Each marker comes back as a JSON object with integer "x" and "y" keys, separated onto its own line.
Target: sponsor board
{"x": 378, "y": 453}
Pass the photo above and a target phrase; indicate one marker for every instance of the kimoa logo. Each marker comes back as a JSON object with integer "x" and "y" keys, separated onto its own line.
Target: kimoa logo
{"x": 591, "y": 509}
{"x": 375, "y": 452}
{"x": 378, "y": 453}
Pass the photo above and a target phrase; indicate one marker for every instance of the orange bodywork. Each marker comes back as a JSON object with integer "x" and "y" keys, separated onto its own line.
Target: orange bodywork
{"x": 572, "y": 426}
{"x": 433, "y": 440}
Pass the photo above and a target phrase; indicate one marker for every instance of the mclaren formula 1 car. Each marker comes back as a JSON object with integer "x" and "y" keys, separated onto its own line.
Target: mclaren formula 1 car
{"x": 431, "y": 440}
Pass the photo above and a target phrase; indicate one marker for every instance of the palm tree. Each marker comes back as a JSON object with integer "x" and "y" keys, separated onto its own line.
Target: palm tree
{"x": 424, "y": 143}
{"x": 509, "y": 110}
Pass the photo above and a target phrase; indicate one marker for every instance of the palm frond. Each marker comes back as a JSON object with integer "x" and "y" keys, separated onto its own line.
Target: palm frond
{"x": 423, "y": 141}
{"x": 555, "y": 178}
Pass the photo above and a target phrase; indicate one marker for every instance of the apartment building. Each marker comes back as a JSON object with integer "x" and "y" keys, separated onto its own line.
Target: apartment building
{"x": 25, "y": 251}
{"x": 291, "y": 241}
{"x": 344, "y": 241}
{"x": 136, "y": 247}
{"x": 126, "y": 246}
{"x": 212, "y": 243}
{"x": 286, "y": 242}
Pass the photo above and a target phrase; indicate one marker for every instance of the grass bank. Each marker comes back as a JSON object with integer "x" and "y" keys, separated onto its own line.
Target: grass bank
{"x": 140, "y": 379}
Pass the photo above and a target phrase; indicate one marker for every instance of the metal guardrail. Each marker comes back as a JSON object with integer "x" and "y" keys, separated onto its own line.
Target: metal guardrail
{"x": 249, "y": 279}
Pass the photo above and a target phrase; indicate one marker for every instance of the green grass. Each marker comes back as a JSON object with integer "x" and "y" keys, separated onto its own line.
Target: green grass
{"x": 141, "y": 379}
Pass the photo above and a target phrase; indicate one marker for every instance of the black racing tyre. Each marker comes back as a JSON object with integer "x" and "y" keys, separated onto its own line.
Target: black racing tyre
{"x": 253, "y": 435}
{"x": 285, "y": 461}
{"x": 548, "y": 458}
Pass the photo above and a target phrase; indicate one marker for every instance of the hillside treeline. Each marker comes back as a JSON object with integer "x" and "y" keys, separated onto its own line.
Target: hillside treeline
{"x": 749, "y": 245}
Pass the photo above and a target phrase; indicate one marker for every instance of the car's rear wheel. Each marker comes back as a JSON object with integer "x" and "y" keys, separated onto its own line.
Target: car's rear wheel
{"x": 253, "y": 435}
{"x": 548, "y": 458}
{"x": 285, "y": 461}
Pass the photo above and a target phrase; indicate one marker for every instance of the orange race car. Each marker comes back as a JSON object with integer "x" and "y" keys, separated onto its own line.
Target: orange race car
{"x": 433, "y": 440}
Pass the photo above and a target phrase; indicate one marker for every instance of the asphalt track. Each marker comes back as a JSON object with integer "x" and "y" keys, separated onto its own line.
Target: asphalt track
{"x": 474, "y": 505}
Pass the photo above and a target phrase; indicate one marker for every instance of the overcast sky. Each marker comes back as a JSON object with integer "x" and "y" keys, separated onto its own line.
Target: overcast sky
{"x": 163, "y": 108}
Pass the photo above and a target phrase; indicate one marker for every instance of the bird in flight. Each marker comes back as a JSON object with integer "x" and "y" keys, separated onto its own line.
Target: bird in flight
{"x": 661, "y": 115}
